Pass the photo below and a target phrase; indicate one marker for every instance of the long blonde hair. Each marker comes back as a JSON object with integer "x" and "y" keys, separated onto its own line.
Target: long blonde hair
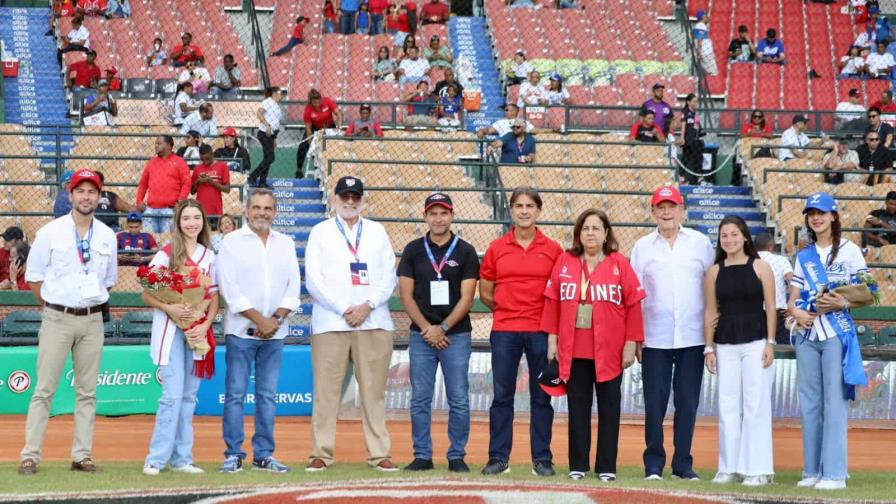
{"x": 178, "y": 242}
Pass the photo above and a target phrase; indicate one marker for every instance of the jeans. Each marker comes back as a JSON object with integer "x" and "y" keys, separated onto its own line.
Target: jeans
{"x": 158, "y": 219}
{"x": 268, "y": 148}
{"x": 346, "y": 21}
{"x": 240, "y": 356}
{"x": 172, "y": 436}
{"x": 455, "y": 361}
{"x": 289, "y": 45}
{"x": 507, "y": 350}
{"x": 328, "y": 26}
{"x": 376, "y": 23}
{"x": 823, "y": 407}
{"x": 662, "y": 371}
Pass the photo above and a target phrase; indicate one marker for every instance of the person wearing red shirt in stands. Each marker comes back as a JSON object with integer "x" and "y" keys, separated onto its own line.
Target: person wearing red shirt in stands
{"x": 331, "y": 19}
{"x": 592, "y": 314}
{"x": 114, "y": 82}
{"x": 377, "y": 15}
{"x": 181, "y": 54}
{"x": 166, "y": 179}
{"x": 11, "y": 237}
{"x": 514, "y": 272}
{"x": 297, "y": 36}
{"x": 411, "y": 8}
{"x": 84, "y": 74}
{"x": 320, "y": 113}
{"x": 210, "y": 180}
{"x": 434, "y": 12}
{"x": 758, "y": 127}
{"x": 646, "y": 130}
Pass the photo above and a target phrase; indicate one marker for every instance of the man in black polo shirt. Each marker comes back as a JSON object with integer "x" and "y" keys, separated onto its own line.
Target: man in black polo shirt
{"x": 437, "y": 280}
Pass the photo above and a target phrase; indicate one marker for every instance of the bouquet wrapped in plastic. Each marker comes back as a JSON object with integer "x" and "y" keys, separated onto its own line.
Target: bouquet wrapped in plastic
{"x": 187, "y": 286}
{"x": 860, "y": 290}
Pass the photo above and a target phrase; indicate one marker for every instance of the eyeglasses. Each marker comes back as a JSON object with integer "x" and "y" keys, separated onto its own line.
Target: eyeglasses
{"x": 757, "y": 116}
{"x": 872, "y": 116}
{"x": 874, "y": 139}
{"x": 350, "y": 196}
{"x": 85, "y": 250}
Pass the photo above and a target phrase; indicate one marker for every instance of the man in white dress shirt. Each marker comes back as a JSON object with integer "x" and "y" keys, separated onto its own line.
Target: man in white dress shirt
{"x": 71, "y": 266}
{"x": 350, "y": 270}
{"x": 670, "y": 263}
{"x": 258, "y": 275}
{"x": 202, "y": 120}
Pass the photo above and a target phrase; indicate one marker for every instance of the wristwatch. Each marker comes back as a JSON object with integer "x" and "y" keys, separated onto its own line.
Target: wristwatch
{"x": 370, "y": 304}
{"x": 444, "y": 327}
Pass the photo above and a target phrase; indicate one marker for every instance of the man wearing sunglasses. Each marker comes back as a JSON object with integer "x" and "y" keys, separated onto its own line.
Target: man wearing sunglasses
{"x": 875, "y": 157}
{"x": 71, "y": 266}
{"x": 876, "y": 125}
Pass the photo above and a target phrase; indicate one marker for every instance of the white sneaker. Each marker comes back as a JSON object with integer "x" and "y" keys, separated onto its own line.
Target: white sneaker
{"x": 754, "y": 481}
{"x": 150, "y": 470}
{"x": 808, "y": 482}
{"x": 607, "y": 476}
{"x": 654, "y": 477}
{"x": 827, "y": 484}
{"x": 576, "y": 475}
{"x": 724, "y": 478}
{"x": 188, "y": 469}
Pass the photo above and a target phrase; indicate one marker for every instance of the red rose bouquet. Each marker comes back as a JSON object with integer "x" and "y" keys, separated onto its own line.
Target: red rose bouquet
{"x": 187, "y": 286}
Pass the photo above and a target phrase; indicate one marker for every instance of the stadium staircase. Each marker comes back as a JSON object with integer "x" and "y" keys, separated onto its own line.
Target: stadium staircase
{"x": 299, "y": 208}
{"x": 36, "y": 96}
{"x": 471, "y": 43}
{"x": 708, "y": 205}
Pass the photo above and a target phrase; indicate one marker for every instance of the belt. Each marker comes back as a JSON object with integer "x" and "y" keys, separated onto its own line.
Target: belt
{"x": 78, "y": 312}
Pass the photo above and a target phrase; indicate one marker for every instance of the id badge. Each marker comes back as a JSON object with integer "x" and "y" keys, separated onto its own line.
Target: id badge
{"x": 583, "y": 316}
{"x": 438, "y": 293}
{"x": 89, "y": 285}
{"x": 359, "y": 273}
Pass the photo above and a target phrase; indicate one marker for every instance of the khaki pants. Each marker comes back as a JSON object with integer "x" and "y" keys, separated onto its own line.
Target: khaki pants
{"x": 60, "y": 333}
{"x": 370, "y": 352}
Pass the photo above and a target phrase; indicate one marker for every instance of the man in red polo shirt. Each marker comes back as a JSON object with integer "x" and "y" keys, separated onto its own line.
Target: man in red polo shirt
{"x": 210, "y": 180}
{"x": 166, "y": 179}
{"x": 320, "y": 113}
{"x": 435, "y": 12}
{"x": 181, "y": 54}
{"x": 84, "y": 74}
{"x": 514, "y": 273}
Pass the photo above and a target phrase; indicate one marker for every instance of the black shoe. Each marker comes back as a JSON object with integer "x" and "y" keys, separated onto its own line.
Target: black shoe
{"x": 495, "y": 466}
{"x": 458, "y": 466}
{"x": 543, "y": 468}
{"x": 419, "y": 464}
{"x": 251, "y": 181}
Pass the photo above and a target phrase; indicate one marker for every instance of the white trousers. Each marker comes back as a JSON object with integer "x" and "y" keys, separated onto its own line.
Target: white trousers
{"x": 745, "y": 410}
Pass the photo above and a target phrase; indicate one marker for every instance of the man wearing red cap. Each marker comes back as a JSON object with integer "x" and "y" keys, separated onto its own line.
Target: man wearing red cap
{"x": 113, "y": 80}
{"x": 71, "y": 266}
{"x": 236, "y": 156}
{"x": 670, "y": 263}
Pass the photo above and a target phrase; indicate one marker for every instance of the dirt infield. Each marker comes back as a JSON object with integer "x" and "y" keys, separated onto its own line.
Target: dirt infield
{"x": 127, "y": 439}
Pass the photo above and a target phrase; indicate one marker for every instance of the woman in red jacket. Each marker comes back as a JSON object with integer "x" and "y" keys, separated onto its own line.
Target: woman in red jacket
{"x": 592, "y": 315}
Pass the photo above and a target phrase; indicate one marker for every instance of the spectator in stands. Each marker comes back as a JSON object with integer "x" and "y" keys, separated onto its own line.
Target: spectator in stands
{"x": 77, "y": 40}
{"x": 63, "y": 204}
{"x": 18, "y": 260}
{"x": 434, "y": 12}
{"x": 449, "y": 79}
{"x": 297, "y": 36}
{"x": 885, "y": 103}
{"x": 532, "y": 92}
{"x": 61, "y": 8}
{"x": 115, "y": 84}
{"x": 569, "y": 4}
{"x": 850, "y": 110}
{"x": 165, "y": 181}
{"x": 347, "y": 11}
{"x": 692, "y": 150}
{"x": 84, "y": 74}
{"x": 852, "y": 64}
{"x": 413, "y": 68}
{"x": 196, "y": 75}
{"x": 321, "y": 113}
{"x": 674, "y": 136}
{"x": 189, "y": 152}
{"x": 202, "y": 121}
{"x": 364, "y": 126}
{"x": 517, "y": 146}
{"x": 385, "y": 67}
{"x": 783, "y": 272}
{"x": 437, "y": 54}
{"x": 865, "y": 39}
{"x": 704, "y": 51}
{"x": 449, "y": 109}
{"x": 656, "y": 104}
{"x": 362, "y": 19}
{"x": 876, "y": 125}
{"x": 884, "y": 218}
{"x": 227, "y": 78}
{"x": 210, "y": 180}
{"x": 11, "y": 237}
{"x": 186, "y": 51}
{"x": 110, "y": 205}
{"x": 882, "y": 31}
{"x": 378, "y": 16}
{"x": 156, "y": 56}
{"x": 758, "y": 127}
{"x": 504, "y": 126}
{"x": 421, "y": 108}
{"x": 409, "y": 42}
{"x": 410, "y": 7}
{"x": 118, "y": 9}
{"x": 226, "y": 225}
{"x": 269, "y": 116}
{"x": 519, "y": 4}
{"x": 742, "y": 48}
{"x": 521, "y": 69}
{"x": 875, "y": 158}
{"x": 100, "y": 101}
{"x": 795, "y": 136}
{"x": 135, "y": 247}
{"x": 555, "y": 94}
{"x": 184, "y": 104}
{"x": 646, "y": 130}
{"x": 842, "y": 159}
{"x": 770, "y": 49}
{"x": 235, "y": 155}
{"x": 331, "y": 19}
{"x": 397, "y": 25}
{"x": 880, "y": 63}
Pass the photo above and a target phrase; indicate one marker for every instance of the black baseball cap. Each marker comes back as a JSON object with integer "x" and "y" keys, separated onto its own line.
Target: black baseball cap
{"x": 800, "y": 119}
{"x": 438, "y": 199}
{"x": 349, "y": 184}
{"x": 549, "y": 379}
{"x": 13, "y": 233}
{"x": 658, "y": 85}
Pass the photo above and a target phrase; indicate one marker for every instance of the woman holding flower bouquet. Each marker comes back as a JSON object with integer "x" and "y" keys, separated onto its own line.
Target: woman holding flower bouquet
{"x": 828, "y": 361}
{"x": 182, "y": 341}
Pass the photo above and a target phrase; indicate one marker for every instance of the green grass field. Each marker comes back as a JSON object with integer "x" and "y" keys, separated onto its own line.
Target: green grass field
{"x": 55, "y": 477}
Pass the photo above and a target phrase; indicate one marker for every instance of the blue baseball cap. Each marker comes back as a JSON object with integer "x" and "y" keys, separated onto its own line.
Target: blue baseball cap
{"x": 821, "y": 201}
{"x": 135, "y": 217}
{"x": 66, "y": 176}
{"x": 701, "y": 14}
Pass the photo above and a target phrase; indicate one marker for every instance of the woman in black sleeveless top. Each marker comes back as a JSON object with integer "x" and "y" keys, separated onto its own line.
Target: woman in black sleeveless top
{"x": 740, "y": 338}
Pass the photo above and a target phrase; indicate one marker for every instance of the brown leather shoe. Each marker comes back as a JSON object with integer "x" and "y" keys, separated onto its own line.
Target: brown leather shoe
{"x": 27, "y": 467}
{"x": 386, "y": 465}
{"x": 85, "y": 465}
{"x": 315, "y": 465}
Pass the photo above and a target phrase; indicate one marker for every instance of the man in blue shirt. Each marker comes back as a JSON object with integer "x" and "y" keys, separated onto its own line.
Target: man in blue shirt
{"x": 517, "y": 146}
{"x": 770, "y": 49}
{"x": 63, "y": 204}
{"x": 348, "y": 9}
